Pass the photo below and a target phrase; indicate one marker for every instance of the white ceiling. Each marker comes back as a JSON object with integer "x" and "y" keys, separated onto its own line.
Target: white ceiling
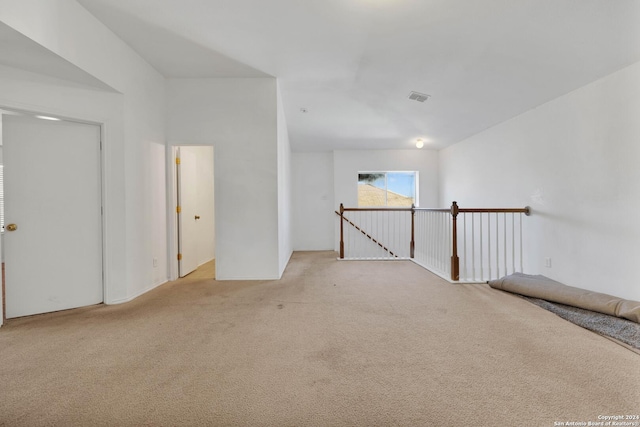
{"x": 352, "y": 63}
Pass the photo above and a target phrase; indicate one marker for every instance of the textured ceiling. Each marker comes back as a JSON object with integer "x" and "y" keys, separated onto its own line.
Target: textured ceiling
{"x": 352, "y": 63}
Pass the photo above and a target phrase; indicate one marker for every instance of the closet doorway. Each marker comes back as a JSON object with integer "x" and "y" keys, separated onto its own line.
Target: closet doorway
{"x": 194, "y": 211}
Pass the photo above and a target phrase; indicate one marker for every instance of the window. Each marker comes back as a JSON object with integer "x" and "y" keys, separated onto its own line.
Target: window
{"x": 392, "y": 189}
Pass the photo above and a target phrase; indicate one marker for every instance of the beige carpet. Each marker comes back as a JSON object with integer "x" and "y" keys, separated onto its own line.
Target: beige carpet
{"x": 331, "y": 344}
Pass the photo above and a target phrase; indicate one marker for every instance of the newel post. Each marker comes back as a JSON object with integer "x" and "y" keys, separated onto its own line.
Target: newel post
{"x": 455, "y": 261}
{"x": 412, "y": 245}
{"x": 341, "y": 231}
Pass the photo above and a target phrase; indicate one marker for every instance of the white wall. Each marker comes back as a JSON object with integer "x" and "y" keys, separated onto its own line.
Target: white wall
{"x": 239, "y": 118}
{"x": 132, "y": 121}
{"x": 574, "y": 160}
{"x": 157, "y": 153}
{"x": 285, "y": 242}
{"x": 313, "y": 205}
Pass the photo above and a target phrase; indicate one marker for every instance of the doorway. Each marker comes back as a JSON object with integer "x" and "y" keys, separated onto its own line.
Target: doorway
{"x": 52, "y": 205}
{"x": 194, "y": 211}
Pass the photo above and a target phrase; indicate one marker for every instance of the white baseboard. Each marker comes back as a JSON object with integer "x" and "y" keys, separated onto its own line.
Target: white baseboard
{"x": 445, "y": 277}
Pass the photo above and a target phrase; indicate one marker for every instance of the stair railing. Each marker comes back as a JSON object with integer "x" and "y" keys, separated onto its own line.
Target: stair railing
{"x": 459, "y": 244}
{"x": 375, "y": 233}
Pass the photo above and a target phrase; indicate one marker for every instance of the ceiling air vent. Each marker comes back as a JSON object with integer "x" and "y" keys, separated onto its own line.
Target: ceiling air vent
{"x": 420, "y": 97}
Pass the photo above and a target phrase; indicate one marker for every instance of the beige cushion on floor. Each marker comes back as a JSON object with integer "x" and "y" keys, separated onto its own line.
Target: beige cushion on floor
{"x": 542, "y": 287}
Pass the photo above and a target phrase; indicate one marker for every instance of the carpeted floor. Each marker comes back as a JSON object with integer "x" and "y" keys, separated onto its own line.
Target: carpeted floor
{"x": 331, "y": 344}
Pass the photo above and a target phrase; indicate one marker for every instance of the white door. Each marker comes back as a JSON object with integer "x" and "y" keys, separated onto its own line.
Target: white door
{"x": 52, "y": 192}
{"x": 187, "y": 215}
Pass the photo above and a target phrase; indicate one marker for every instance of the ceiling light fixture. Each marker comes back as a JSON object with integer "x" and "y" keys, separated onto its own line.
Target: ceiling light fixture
{"x": 419, "y": 143}
{"x": 47, "y": 118}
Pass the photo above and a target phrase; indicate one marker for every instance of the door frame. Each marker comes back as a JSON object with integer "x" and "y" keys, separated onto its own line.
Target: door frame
{"x": 102, "y": 126}
{"x": 172, "y": 192}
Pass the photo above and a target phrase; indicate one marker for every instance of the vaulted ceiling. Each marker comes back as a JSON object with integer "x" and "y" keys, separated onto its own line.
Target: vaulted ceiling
{"x": 351, "y": 64}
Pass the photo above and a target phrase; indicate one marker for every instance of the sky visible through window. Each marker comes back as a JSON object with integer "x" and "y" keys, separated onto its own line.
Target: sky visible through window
{"x": 401, "y": 183}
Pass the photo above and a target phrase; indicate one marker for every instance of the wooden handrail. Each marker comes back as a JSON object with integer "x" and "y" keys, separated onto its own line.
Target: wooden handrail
{"x": 526, "y": 210}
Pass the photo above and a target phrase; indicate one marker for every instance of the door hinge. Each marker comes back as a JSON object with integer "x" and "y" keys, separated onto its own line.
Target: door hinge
{"x": 177, "y": 160}
{"x": 179, "y": 257}
{"x": 178, "y": 209}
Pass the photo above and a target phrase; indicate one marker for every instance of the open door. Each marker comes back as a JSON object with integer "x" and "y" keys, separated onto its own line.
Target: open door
{"x": 186, "y": 167}
{"x": 195, "y": 224}
{"x": 53, "y": 231}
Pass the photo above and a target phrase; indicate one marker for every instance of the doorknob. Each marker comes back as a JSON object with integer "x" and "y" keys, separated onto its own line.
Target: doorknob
{"x": 12, "y": 227}
{"x": 197, "y": 216}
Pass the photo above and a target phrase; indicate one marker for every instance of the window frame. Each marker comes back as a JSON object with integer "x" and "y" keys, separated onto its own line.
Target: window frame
{"x": 416, "y": 180}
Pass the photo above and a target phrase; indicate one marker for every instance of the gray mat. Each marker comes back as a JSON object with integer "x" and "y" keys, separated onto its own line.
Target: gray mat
{"x": 621, "y": 329}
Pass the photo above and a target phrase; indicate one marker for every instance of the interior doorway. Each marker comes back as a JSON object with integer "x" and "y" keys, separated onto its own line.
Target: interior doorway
{"x": 194, "y": 210}
{"x": 52, "y": 204}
